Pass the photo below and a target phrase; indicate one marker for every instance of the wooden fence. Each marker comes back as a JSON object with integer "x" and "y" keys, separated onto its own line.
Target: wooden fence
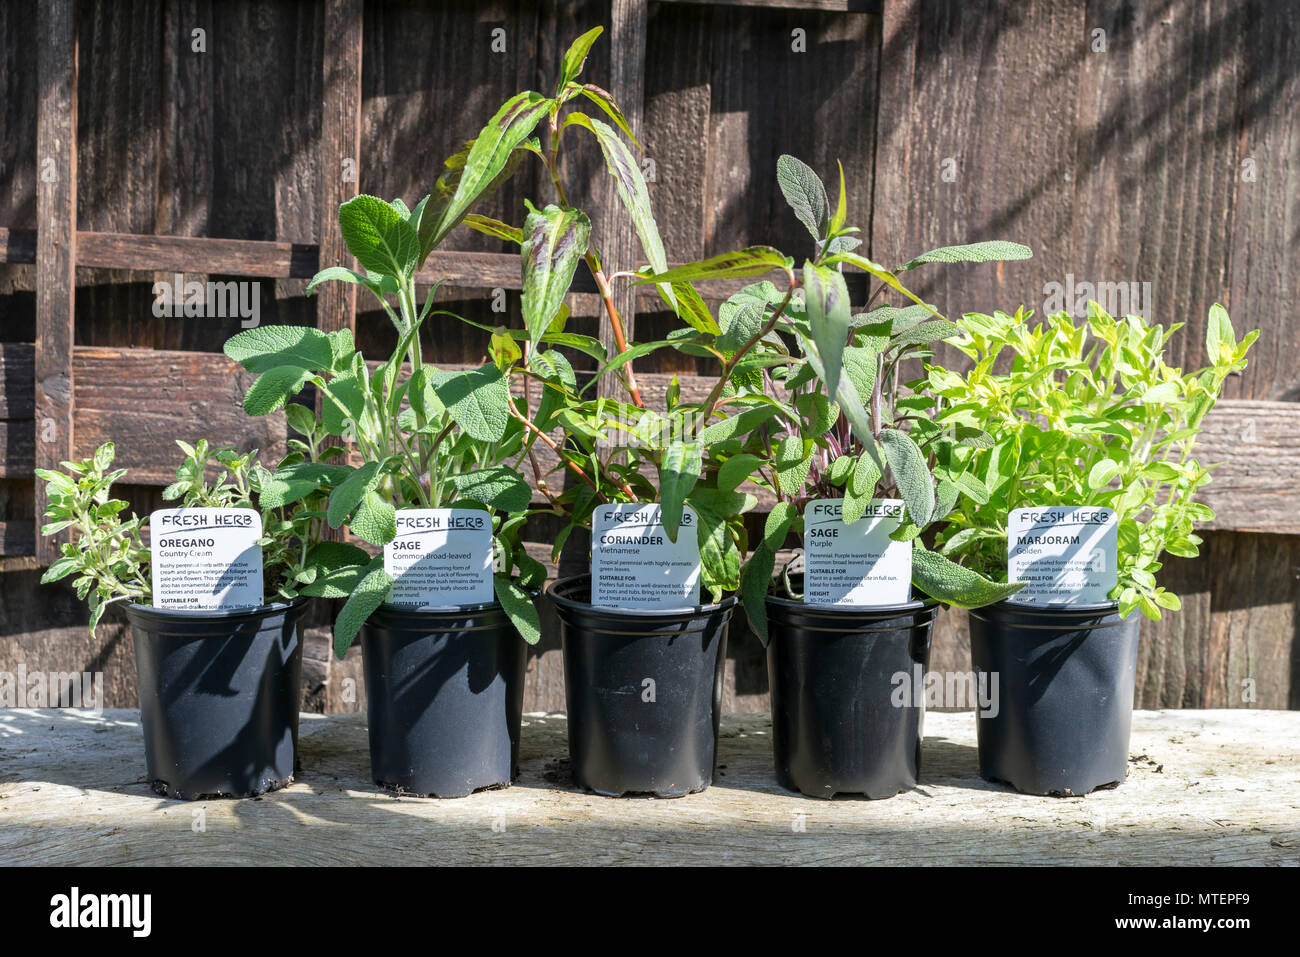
{"x": 1142, "y": 142}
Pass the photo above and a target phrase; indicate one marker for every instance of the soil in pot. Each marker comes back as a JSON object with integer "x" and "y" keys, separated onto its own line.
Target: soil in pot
{"x": 644, "y": 693}
{"x": 219, "y": 698}
{"x": 1065, "y": 680}
{"x": 843, "y": 720}
{"x": 444, "y": 692}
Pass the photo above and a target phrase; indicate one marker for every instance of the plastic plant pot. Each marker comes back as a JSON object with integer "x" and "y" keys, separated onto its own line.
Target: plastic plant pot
{"x": 847, "y": 702}
{"x": 644, "y": 692}
{"x": 444, "y": 691}
{"x": 219, "y": 698}
{"x": 1065, "y": 703}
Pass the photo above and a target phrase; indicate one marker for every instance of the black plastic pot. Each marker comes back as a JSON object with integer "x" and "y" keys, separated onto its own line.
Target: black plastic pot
{"x": 219, "y": 698}
{"x": 644, "y": 692}
{"x": 842, "y": 721}
{"x": 1065, "y": 695}
{"x": 445, "y": 694}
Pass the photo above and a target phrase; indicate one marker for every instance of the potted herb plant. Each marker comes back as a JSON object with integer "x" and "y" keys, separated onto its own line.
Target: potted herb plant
{"x": 643, "y": 684}
{"x": 219, "y": 686}
{"x": 847, "y": 461}
{"x": 1090, "y": 479}
{"x": 442, "y": 611}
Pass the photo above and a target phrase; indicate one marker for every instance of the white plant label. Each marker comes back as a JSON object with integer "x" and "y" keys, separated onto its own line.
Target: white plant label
{"x": 206, "y": 559}
{"x": 634, "y": 565}
{"x": 440, "y": 558}
{"x": 1066, "y": 556}
{"x": 855, "y": 564}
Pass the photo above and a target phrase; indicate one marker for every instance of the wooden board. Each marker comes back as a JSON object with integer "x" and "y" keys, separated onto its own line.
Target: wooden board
{"x": 145, "y": 399}
{"x": 1204, "y": 788}
{"x": 56, "y": 209}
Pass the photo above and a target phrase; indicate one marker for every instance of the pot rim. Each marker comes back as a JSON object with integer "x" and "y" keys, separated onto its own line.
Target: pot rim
{"x": 391, "y": 609}
{"x": 653, "y": 614}
{"x": 916, "y": 604}
{"x": 1085, "y": 608}
{"x": 211, "y": 614}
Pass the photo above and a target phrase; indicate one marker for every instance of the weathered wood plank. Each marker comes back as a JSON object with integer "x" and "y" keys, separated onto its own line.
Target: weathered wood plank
{"x": 826, "y": 6}
{"x": 17, "y": 538}
{"x": 144, "y": 400}
{"x": 1203, "y": 788}
{"x": 340, "y": 154}
{"x": 17, "y": 380}
{"x": 56, "y": 210}
{"x": 195, "y": 254}
{"x": 622, "y": 249}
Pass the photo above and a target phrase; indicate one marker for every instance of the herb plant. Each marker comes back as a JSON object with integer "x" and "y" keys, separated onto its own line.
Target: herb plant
{"x": 1089, "y": 413}
{"x": 108, "y": 554}
{"x": 427, "y": 437}
{"x": 843, "y": 424}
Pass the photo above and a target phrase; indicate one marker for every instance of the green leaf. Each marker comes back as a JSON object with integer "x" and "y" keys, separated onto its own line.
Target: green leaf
{"x": 301, "y": 419}
{"x": 678, "y": 474}
{"x": 1220, "y": 340}
{"x": 349, "y": 493}
{"x": 754, "y": 583}
{"x": 990, "y": 251}
{"x": 736, "y": 470}
{"x": 273, "y": 388}
{"x": 792, "y": 462}
{"x": 750, "y": 261}
{"x": 478, "y": 401}
{"x": 371, "y": 592}
{"x": 61, "y": 568}
{"x": 860, "y": 490}
{"x": 1102, "y": 473}
{"x": 494, "y": 227}
{"x": 777, "y": 525}
{"x": 973, "y": 487}
{"x": 379, "y": 236}
{"x": 738, "y": 425}
{"x": 270, "y": 347}
{"x": 719, "y": 558}
{"x": 277, "y": 493}
{"x": 498, "y": 487}
{"x": 915, "y": 483}
{"x": 882, "y": 274}
{"x": 342, "y": 274}
{"x": 826, "y": 298}
{"x": 555, "y": 244}
{"x": 606, "y": 102}
{"x": 485, "y": 161}
{"x": 375, "y": 521}
{"x": 631, "y": 187}
{"x": 803, "y": 190}
{"x": 518, "y": 605}
{"x": 576, "y": 56}
{"x": 955, "y": 584}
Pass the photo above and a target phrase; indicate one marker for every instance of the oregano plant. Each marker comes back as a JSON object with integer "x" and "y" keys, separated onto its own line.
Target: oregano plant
{"x": 107, "y": 552}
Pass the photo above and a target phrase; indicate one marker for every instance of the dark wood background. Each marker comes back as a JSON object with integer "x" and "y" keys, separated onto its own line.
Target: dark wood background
{"x": 1171, "y": 157}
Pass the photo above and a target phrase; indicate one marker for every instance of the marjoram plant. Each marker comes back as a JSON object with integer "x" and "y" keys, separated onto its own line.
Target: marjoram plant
{"x": 1088, "y": 413}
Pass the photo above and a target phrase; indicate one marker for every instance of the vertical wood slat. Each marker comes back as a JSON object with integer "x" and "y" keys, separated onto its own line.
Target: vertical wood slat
{"x": 340, "y": 166}
{"x": 627, "y": 36}
{"x": 56, "y": 211}
{"x": 340, "y": 154}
